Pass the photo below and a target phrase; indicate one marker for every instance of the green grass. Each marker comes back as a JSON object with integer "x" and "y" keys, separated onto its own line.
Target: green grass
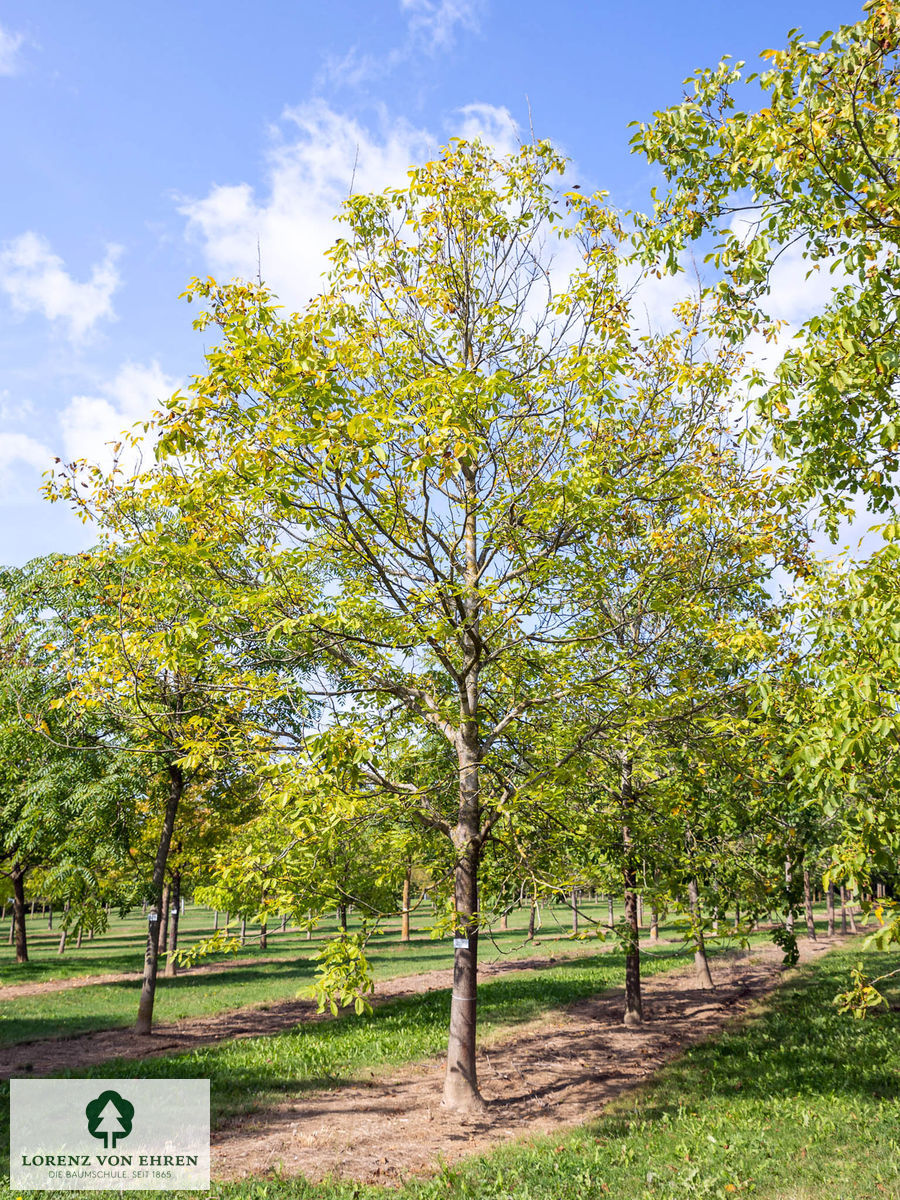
{"x": 111, "y": 1005}
{"x": 121, "y": 948}
{"x": 798, "y": 1103}
{"x": 114, "y": 1005}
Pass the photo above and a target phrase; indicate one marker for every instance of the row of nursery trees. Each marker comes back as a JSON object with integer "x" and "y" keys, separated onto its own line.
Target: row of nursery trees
{"x": 463, "y": 570}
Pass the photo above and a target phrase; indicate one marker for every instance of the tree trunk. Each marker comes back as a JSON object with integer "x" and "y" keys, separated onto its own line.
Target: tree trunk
{"x": 18, "y": 881}
{"x": 404, "y": 911}
{"x": 215, "y": 920}
{"x": 264, "y": 935}
{"x": 808, "y": 906}
{"x": 654, "y": 923}
{"x": 634, "y": 1011}
{"x": 63, "y": 937}
{"x": 574, "y": 912}
{"x": 701, "y": 962}
{"x": 843, "y": 909}
{"x": 78, "y": 940}
{"x": 461, "y": 1081}
{"x": 144, "y": 1023}
{"x": 175, "y": 906}
{"x": 640, "y": 911}
{"x": 164, "y": 919}
{"x": 830, "y": 910}
{"x": 850, "y": 915}
{"x": 50, "y": 916}
{"x": 737, "y": 915}
{"x": 342, "y": 917}
{"x": 284, "y": 923}
{"x": 789, "y": 920}
{"x": 531, "y": 916}
{"x": 612, "y": 912}
{"x": 243, "y": 930}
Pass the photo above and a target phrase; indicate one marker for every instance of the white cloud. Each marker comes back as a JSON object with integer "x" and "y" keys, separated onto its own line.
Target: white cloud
{"x": 433, "y": 23}
{"x": 431, "y": 28}
{"x": 90, "y": 423}
{"x": 22, "y": 460}
{"x": 19, "y": 447}
{"x": 13, "y": 411}
{"x": 36, "y": 280}
{"x": 10, "y": 45}
{"x": 309, "y": 177}
{"x": 493, "y": 125}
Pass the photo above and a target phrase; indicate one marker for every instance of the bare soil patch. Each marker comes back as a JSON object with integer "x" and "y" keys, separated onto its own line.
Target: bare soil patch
{"x": 554, "y": 1073}
{"x": 54, "y": 1054}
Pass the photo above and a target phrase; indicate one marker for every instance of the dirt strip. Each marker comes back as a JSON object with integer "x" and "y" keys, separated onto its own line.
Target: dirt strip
{"x": 54, "y": 1054}
{"x": 11, "y": 991}
{"x": 555, "y": 1073}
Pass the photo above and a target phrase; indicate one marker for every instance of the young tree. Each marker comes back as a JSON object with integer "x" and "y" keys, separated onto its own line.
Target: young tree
{"x": 414, "y": 441}
{"x": 160, "y": 687}
{"x": 415, "y": 485}
{"x": 66, "y": 806}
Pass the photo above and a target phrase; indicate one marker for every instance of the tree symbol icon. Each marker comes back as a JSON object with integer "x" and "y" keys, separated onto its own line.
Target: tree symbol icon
{"x": 109, "y": 1117}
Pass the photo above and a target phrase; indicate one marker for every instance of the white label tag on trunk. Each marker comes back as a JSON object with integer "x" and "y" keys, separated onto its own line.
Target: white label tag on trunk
{"x": 460, "y": 943}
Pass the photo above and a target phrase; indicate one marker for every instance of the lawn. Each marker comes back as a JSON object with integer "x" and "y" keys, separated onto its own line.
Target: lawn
{"x": 796, "y": 1103}
{"x": 110, "y": 1005}
{"x": 249, "y": 1073}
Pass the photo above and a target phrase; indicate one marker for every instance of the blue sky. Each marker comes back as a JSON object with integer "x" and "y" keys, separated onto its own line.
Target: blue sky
{"x": 144, "y": 144}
